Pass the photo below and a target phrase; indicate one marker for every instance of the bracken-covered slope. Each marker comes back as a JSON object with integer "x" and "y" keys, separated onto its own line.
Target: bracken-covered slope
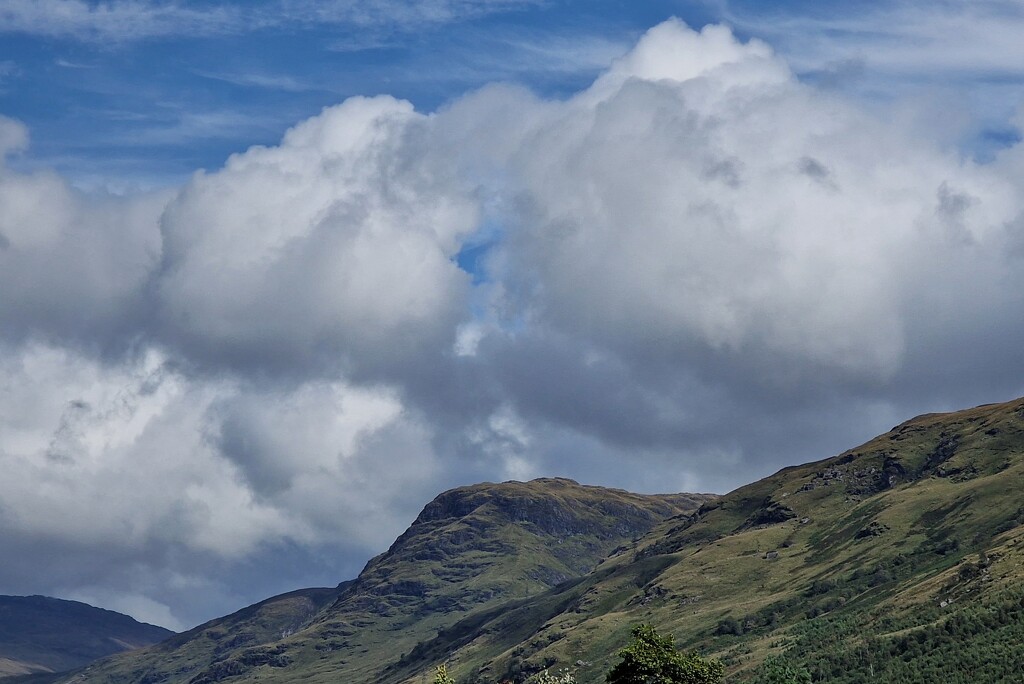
{"x": 470, "y": 550}
{"x": 899, "y": 561}
{"x": 41, "y": 634}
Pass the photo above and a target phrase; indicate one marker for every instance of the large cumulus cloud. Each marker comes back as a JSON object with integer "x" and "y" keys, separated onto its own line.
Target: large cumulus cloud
{"x": 717, "y": 206}
{"x": 72, "y": 267}
{"x": 122, "y": 474}
{"x": 716, "y": 242}
{"x": 334, "y": 248}
{"x": 695, "y": 271}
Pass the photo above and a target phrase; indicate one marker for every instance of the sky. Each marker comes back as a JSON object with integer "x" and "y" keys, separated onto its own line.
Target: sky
{"x": 274, "y": 274}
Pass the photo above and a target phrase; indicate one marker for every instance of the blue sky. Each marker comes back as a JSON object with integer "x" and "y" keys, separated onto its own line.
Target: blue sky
{"x": 273, "y": 274}
{"x": 144, "y": 93}
{"x": 156, "y": 100}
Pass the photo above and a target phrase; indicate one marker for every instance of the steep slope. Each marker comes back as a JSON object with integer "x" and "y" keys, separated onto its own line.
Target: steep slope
{"x": 900, "y": 560}
{"x": 188, "y": 652}
{"x": 471, "y": 549}
{"x": 41, "y": 634}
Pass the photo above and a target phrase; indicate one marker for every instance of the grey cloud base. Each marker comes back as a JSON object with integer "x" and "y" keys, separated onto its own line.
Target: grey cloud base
{"x": 696, "y": 271}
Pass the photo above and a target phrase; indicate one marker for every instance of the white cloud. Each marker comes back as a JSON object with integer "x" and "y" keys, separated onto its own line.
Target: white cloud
{"x": 332, "y": 249}
{"x": 71, "y": 266}
{"x": 136, "y": 455}
{"x": 340, "y": 459}
{"x": 696, "y": 270}
{"x": 115, "y": 20}
{"x": 117, "y": 456}
{"x": 255, "y": 80}
{"x": 699, "y": 200}
{"x": 400, "y": 13}
{"x": 13, "y": 136}
{"x": 952, "y": 68}
{"x": 151, "y": 473}
{"x": 129, "y": 20}
{"x": 947, "y": 39}
{"x": 178, "y": 127}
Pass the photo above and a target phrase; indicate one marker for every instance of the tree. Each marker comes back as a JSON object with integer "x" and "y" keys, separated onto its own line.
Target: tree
{"x": 564, "y": 677}
{"x": 441, "y": 675}
{"x": 777, "y": 670}
{"x": 653, "y": 659}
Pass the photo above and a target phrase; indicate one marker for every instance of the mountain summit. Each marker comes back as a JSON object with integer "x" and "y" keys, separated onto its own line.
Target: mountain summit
{"x": 471, "y": 552}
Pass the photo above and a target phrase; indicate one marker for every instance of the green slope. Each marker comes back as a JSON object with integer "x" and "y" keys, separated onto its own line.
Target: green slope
{"x": 178, "y": 658}
{"x": 900, "y": 561}
{"x": 39, "y": 634}
{"x": 897, "y": 561}
{"x": 470, "y": 550}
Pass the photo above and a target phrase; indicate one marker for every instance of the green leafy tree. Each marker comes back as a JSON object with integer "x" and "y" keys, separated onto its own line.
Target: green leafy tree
{"x": 777, "y": 670}
{"x": 652, "y": 658}
{"x": 441, "y": 675}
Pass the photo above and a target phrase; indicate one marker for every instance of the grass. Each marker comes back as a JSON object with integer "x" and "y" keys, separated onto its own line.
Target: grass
{"x": 841, "y": 565}
{"x": 471, "y": 557}
{"x": 931, "y": 523}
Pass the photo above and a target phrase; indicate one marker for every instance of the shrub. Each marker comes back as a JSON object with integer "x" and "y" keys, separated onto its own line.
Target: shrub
{"x": 653, "y": 659}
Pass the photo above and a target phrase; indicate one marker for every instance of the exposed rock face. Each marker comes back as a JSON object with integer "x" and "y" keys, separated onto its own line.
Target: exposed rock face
{"x": 771, "y": 513}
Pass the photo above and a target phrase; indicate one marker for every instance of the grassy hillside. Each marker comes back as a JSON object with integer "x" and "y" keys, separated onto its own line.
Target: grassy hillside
{"x": 179, "y": 658}
{"x": 471, "y": 549}
{"x": 897, "y": 561}
{"x": 900, "y": 561}
{"x": 40, "y": 634}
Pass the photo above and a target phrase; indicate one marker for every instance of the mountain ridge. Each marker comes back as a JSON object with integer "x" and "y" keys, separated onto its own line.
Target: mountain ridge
{"x": 471, "y": 548}
{"x": 844, "y": 565}
{"x": 897, "y": 514}
{"x": 42, "y": 634}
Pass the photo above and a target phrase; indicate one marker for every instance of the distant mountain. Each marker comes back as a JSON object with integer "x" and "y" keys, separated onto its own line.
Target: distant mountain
{"x": 900, "y": 561}
{"x": 470, "y": 550}
{"x": 40, "y": 634}
{"x": 215, "y": 642}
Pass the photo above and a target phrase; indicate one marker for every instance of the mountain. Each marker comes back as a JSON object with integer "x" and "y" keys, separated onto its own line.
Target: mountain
{"x": 181, "y": 656}
{"x": 40, "y": 634}
{"x": 471, "y": 551}
{"x": 901, "y": 560}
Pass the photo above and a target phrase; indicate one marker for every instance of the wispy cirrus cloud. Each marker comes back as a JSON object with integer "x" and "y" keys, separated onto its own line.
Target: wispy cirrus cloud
{"x": 398, "y": 12}
{"x": 123, "y": 20}
{"x": 919, "y": 40}
{"x": 519, "y": 56}
{"x": 69, "y": 64}
{"x": 952, "y": 67}
{"x": 182, "y": 126}
{"x": 258, "y": 80}
{"x": 130, "y": 20}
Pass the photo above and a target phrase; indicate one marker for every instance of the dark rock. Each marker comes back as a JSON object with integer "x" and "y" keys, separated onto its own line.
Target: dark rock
{"x": 771, "y": 513}
{"x": 943, "y": 451}
{"x": 874, "y": 529}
